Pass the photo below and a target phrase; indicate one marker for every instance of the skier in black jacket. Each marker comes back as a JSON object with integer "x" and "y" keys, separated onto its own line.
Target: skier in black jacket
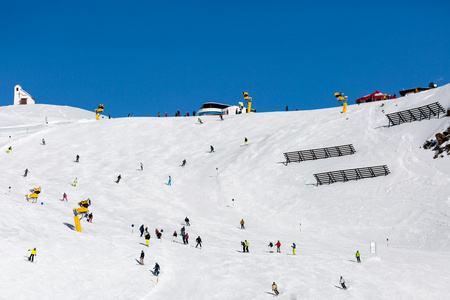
{"x": 199, "y": 242}
{"x": 156, "y": 269}
{"x": 142, "y": 257}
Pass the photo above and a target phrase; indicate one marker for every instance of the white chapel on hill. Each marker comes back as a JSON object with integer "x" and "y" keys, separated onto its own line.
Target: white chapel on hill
{"x": 21, "y": 97}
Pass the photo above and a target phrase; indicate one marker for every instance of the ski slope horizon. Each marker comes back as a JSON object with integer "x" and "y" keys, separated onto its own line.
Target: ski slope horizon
{"x": 410, "y": 206}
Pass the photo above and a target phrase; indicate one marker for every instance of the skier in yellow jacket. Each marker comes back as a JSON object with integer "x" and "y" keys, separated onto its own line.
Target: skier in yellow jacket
{"x": 33, "y": 254}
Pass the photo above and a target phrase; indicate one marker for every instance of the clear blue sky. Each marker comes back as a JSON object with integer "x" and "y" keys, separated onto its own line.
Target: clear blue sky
{"x": 142, "y": 57}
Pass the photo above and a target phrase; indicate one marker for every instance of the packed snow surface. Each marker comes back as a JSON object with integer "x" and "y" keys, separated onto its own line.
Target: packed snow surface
{"x": 328, "y": 223}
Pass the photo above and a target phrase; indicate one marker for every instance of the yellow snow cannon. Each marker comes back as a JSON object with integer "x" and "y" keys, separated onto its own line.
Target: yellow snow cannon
{"x": 34, "y": 195}
{"x": 82, "y": 211}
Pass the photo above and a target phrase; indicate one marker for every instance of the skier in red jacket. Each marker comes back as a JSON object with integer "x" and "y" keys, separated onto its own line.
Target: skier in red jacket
{"x": 278, "y": 244}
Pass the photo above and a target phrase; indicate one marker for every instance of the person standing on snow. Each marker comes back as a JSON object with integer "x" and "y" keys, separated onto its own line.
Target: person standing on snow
{"x": 43, "y": 142}
{"x": 142, "y": 167}
{"x": 141, "y": 261}
{"x": 77, "y": 159}
{"x": 187, "y": 238}
{"x": 174, "y": 236}
{"x": 199, "y": 242}
{"x": 33, "y": 254}
{"x": 156, "y": 269}
{"x": 211, "y": 149}
{"x": 342, "y": 282}
{"x": 242, "y": 224}
{"x": 358, "y": 255}
{"x": 170, "y": 180}
{"x": 90, "y": 217}
{"x": 275, "y": 288}
{"x": 64, "y": 197}
{"x": 278, "y": 244}
{"x": 184, "y": 163}
{"x": 147, "y": 239}
{"x": 26, "y": 173}
{"x": 75, "y": 182}
{"x": 245, "y": 142}
{"x": 246, "y": 245}
{"x": 118, "y": 178}
{"x": 186, "y": 220}
{"x": 243, "y": 246}
{"x": 293, "y": 248}
{"x": 200, "y": 121}
{"x": 141, "y": 229}
{"x": 270, "y": 247}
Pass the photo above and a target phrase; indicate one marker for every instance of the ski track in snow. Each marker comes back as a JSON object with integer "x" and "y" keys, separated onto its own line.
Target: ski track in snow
{"x": 410, "y": 206}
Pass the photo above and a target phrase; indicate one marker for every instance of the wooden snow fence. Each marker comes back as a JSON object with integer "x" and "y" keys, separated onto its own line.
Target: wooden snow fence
{"x": 320, "y": 153}
{"x": 351, "y": 174}
{"x": 415, "y": 114}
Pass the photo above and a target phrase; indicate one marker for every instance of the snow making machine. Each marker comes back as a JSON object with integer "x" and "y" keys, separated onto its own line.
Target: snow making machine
{"x": 99, "y": 110}
{"x": 80, "y": 213}
{"x": 34, "y": 195}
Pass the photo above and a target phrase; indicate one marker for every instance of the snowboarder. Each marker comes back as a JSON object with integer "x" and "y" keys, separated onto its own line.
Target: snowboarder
{"x": 147, "y": 239}
{"x": 141, "y": 261}
{"x": 9, "y": 149}
{"x": 64, "y": 197}
{"x": 342, "y": 282}
{"x": 170, "y": 181}
{"x": 212, "y": 149}
{"x": 246, "y": 245}
{"x": 245, "y": 142}
{"x": 270, "y": 247}
{"x": 278, "y": 244}
{"x": 293, "y": 248}
{"x": 174, "y": 236}
{"x": 33, "y": 254}
{"x": 156, "y": 269}
{"x": 358, "y": 255}
{"x": 77, "y": 159}
{"x": 242, "y": 224}
{"x": 141, "y": 229}
{"x": 183, "y": 163}
{"x": 243, "y": 246}
{"x": 199, "y": 242}
{"x": 75, "y": 182}
{"x": 90, "y": 217}
{"x": 200, "y": 121}
{"x": 187, "y": 238}
{"x": 118, "y": 178}
{"x": 43, "y": 142}
{"x": 26, "y": 173}
{"x": 187, "y": 221}
{"x": 275, "y": 289}
{"x": 142, "y": 167}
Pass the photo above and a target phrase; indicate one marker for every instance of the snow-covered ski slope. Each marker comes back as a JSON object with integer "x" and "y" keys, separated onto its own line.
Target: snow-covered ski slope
{"x": 410, "y": 206}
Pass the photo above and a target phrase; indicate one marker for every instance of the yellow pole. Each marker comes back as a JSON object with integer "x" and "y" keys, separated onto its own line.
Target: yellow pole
{"x": 77, "y": 223}
{"x": 344, "y": 109}
{"x": 249, "y": 107}
{"x": 97, "y": 117}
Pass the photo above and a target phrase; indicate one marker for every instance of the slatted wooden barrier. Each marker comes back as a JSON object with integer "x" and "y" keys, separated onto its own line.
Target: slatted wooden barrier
{"x": 351, "y": 174}
{"x": 320, "y": 153}
{"x": 415, "y": 114}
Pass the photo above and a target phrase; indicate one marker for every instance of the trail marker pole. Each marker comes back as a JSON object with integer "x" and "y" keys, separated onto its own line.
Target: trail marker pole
{"x": 387, "y": 242}
{"x": 217, "y": 172}
{"x": 300, "y": 227}
{"x": 9, "y": 192}
{"x": 232, "y": 200}
{"x": 132, "y": 226}
{"x": 10, "y": 139}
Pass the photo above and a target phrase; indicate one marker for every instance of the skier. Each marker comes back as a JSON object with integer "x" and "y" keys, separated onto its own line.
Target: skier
{"x": 77, "y": 159}
{"x": 199, "y": 242}
{"x": 275, "y": 289}
{"x": 358, "y": 255}
{"x": 187, "y": 221}
{"x": 193, "y": 113}
{"x": 187, "y": 114}
{"x": 159, "y": 235}
{"x": 141, "y": 261}
{"x": 141, "y": 229}
{"x": 183, "y": 235}
{"x": 246, "y": 245}
{"x": 221, "y": 118}
{"x": 64, "y": 197}
{"x": 170, "y": 181}
{"x": 342, "y": 282}
{"x": 182, "y": 230}
{"x": 33, "y": 254}
{"x": 146, "y": 230}
{"x": 147, "y": 239}
{"x": 159, "y": 114}
{"x": 212, "y": 149}
{"x": 243, "y": 246}
{"x": 156, "y": 269}
{"x": 43, "y": 142}
{"x": 270, "y": 247}
{"x": 245, "y": 142}
{"x": 75, "y": 182}
{"x": 26, "y": 173}
{"x": 90, "y": 217}
{"x": 9, "y": 149}
{"x": 174, "y": 236}
{"x": 293, "y": 248}
{"x": 278, "y": 244}
{"x": 184, "y": 163}
{"x": 187, "y": 238}
{"x": 242, "y": 224}
{"x": 200, "y": 121}
{"x": 118, "y": 178}
{"x": 142, "y": 167}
